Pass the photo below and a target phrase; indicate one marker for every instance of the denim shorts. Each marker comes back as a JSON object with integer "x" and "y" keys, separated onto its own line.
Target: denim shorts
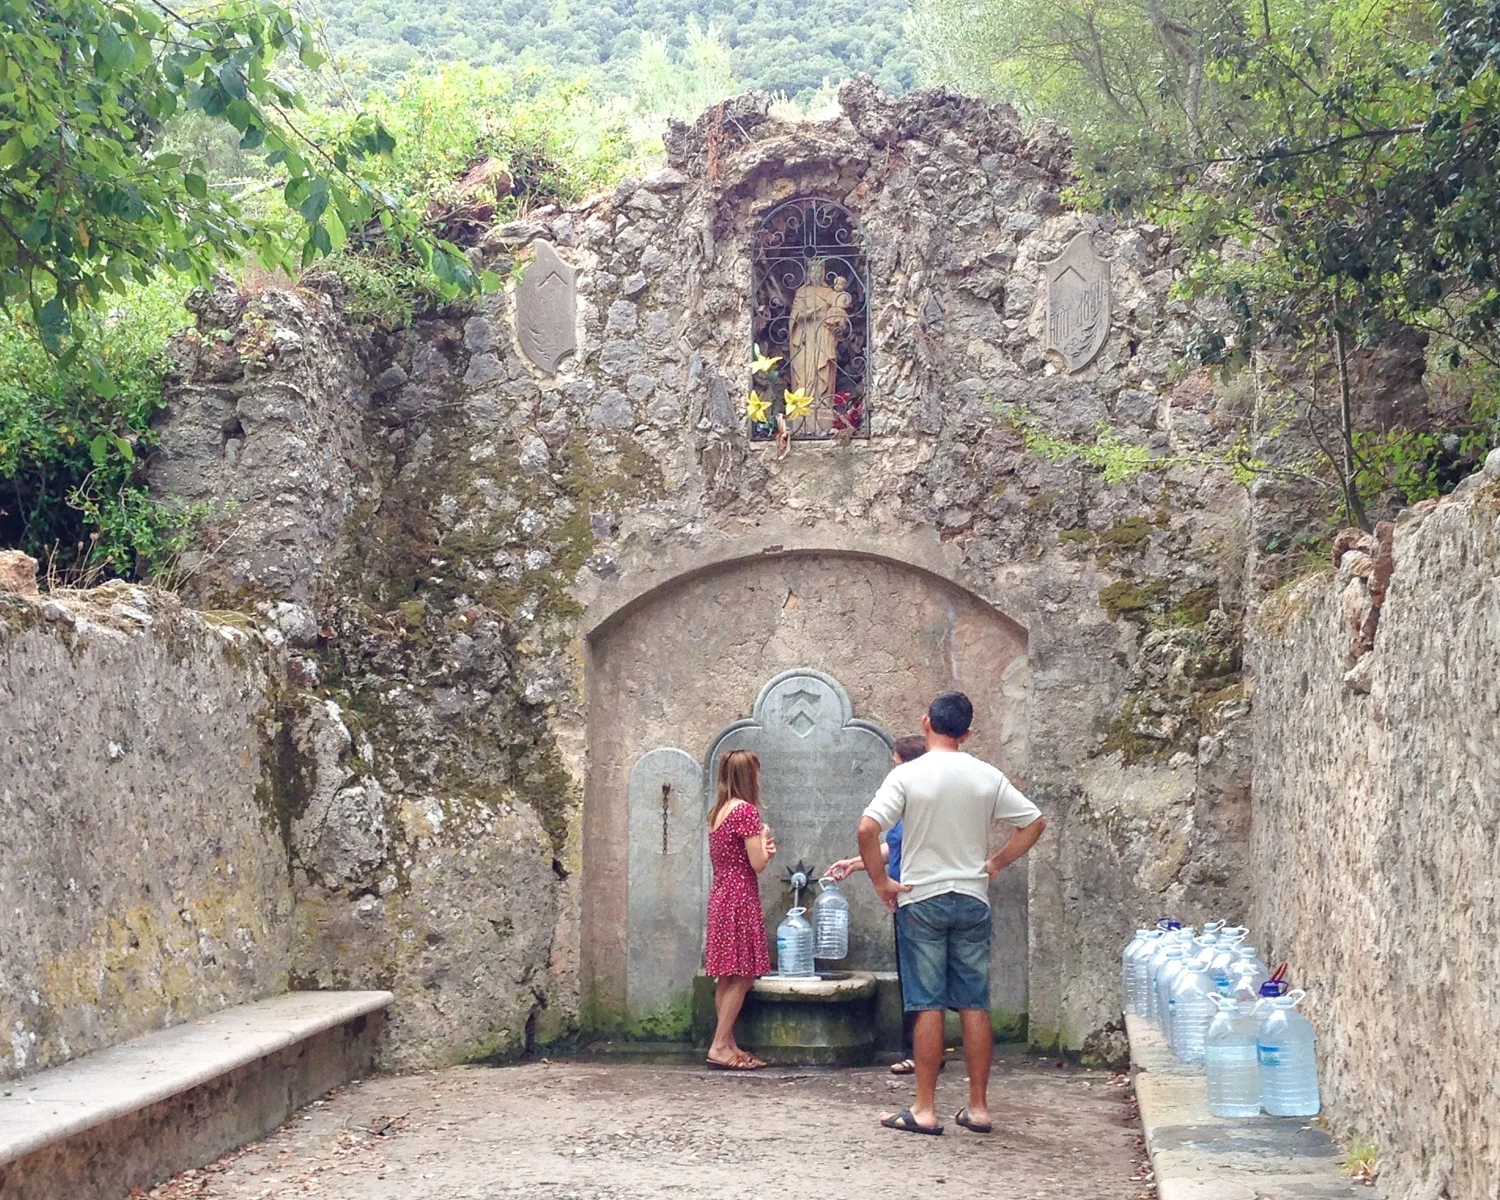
{"x": 945, "y": 953}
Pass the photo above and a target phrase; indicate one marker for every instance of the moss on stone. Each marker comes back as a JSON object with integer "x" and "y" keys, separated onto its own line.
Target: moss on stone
{"x": 673, "y": 1022}
{"x": 1133, "y": 747}
{"x": 1134, "y": 600}
{"x": 1129, "y": 535}
{"x": 1192, "y": 608}
{"x": 1008, "y": 1026}
{"x": 1076, "y": 537}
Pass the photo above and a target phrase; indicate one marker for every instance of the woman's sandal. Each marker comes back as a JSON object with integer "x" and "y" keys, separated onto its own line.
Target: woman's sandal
{"x": 962, "y": 1118}
{"x": 906, "y": 1123}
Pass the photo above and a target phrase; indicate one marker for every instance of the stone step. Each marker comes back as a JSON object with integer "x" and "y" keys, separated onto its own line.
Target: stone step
{"x": 1198, "y": 1156}
{"x": 136, "y": 1113}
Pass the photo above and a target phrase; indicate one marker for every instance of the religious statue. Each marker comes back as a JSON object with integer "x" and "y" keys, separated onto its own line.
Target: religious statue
{"x": 819, "y": 318}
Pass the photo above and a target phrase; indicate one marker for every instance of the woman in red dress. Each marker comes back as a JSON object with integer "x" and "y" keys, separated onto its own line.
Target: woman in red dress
{"x": 739, "y": 846}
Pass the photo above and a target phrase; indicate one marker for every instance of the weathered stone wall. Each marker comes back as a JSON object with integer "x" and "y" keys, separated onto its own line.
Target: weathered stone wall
{"x": 144, "y": 881}
{"x": 501, "y": 519}
{"x": 1376, "y": 819}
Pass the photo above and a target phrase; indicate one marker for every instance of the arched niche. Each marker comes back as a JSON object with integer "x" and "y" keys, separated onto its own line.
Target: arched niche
{"x": 682, "y": 662}
{"x": 810, "y": 322}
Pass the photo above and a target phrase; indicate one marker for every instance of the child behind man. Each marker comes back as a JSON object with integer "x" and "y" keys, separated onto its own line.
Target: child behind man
{"x": 905, "y": 750}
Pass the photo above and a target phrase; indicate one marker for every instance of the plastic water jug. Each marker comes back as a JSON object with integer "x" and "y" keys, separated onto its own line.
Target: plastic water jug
{"x": 1247, "y": 973}
{"x": 1288, "y": 1064}
{"x": 830, "y": 922}
{"x": 1192, "y": 1010}
{"x": 794, "y": 946}
{"x": 1166, "y": 978}
{"x": 1226, "y": 954}
{"x": 1195, "y": 954}
{"x": 1150, "y": 970}
{"x": 1144, "y": 941}
{"x": 1229, "y": 1059}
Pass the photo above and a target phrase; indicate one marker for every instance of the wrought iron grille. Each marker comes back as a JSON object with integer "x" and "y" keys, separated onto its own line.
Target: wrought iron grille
{"x": 810, "y": 306}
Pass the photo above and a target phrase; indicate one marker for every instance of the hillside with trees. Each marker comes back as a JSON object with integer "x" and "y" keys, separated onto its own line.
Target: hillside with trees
{"x": 789, "y": 46}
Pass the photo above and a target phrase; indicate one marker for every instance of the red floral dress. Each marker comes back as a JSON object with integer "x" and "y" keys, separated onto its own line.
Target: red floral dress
{"x": 736, "y": 942}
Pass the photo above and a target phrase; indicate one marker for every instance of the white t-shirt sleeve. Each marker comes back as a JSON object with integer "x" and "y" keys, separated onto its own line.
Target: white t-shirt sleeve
{"x": 1012, "y": 806}
{"x": 890, "y": 802}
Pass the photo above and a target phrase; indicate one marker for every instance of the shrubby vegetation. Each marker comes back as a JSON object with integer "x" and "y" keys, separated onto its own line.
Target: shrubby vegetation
{"x": 70, "y": 445}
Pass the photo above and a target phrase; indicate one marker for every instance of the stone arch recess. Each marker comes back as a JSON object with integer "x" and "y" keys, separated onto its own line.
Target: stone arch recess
{"x": 671, "y": 661}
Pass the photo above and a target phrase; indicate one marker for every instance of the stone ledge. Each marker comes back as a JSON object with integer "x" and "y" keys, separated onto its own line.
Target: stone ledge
{"x": 41, "y": 1110}
{"x": 1198, "y": 1156}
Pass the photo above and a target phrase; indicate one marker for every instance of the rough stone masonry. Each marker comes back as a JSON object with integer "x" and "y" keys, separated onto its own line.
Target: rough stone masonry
{"x": 455, "y": 545}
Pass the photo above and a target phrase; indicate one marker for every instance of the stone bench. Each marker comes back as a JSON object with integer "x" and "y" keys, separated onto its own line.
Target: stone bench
{"x": 137, "y": 1113}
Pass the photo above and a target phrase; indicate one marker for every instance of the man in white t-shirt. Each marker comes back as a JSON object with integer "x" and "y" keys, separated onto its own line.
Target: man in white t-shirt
{"x": 948, "y": 800}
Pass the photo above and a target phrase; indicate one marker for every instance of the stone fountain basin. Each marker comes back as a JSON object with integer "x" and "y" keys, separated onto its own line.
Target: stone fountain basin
{"x": 827, "y": 1020}
{"x": 825, "y": 986}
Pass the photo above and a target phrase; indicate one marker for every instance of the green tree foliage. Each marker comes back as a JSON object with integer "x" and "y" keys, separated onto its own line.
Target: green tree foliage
{"x": 1330, "y": 165}
{"x": 89, "y": 201}
{"x": 786, "y": 46}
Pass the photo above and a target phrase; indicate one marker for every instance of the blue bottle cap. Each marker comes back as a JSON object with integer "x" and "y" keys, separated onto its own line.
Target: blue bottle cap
{"x": 1273, "y": 988}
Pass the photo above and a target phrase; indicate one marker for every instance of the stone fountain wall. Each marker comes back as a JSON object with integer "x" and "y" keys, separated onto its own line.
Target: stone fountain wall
{"x": 515, "y": 583}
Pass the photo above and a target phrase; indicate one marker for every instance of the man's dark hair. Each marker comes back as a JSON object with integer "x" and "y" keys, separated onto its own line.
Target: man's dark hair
{"x": 951, "y": 714}
{"x": 908, "y": 748}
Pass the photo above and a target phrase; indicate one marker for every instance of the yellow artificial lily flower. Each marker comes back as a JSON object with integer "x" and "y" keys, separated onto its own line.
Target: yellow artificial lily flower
{"x": 798, "y": 404}
{"x": 757, "y": 407}
{"x": 760, "y": 364}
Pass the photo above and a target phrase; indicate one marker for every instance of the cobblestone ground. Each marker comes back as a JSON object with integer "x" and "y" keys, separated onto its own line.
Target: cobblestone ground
{"x": 619, "y": 1131}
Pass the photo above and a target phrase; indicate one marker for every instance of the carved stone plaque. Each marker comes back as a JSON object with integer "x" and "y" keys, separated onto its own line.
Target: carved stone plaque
{"x": 1077, "y": 303}
{"x": 546, "y": 308}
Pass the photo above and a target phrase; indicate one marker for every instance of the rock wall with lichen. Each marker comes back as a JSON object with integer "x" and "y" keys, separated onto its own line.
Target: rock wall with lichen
{"x": 1376, "y": 819}
{"x": 144, "y": 882}
{"x": 443, "y": 535}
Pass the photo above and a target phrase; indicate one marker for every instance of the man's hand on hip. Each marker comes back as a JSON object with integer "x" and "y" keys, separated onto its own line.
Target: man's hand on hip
{"x": 888, "y": 889}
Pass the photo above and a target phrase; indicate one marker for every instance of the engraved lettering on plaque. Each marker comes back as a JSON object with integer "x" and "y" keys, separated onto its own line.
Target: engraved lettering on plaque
{"x": 1077, "y": 303}
{"x": 546, "y": 308}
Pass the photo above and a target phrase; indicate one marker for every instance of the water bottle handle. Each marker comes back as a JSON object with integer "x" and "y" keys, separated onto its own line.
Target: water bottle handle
{"x": 1295, "y": 997}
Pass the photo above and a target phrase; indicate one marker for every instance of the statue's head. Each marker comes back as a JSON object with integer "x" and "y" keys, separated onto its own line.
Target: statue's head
{"x": 817, "y": 272}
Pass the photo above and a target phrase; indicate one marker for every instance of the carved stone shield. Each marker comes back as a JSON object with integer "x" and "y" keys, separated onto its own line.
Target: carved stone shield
{"x": 1077, "y": 303}
{"x": 546, "y": 308}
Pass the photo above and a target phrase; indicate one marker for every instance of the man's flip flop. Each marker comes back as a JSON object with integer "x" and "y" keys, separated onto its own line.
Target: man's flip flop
{"x": 907, "y": 1123}
{"x": 962, "y": 1118}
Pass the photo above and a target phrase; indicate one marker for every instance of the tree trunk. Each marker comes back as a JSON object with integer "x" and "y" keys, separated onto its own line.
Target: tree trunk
{"x": 1354, "y": 505}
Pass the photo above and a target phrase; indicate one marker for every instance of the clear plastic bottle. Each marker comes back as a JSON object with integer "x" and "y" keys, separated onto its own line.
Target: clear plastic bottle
{"x": 794, "y": 946}
{"x": 1166, "y": 977}
{"x": 1144, "y": 941}
{"x": 1149, "y": 971}
{"x": 1230, "y": 1058}
{"x": 1285, "y": 1048}
{"x": 1192, "y": 1010}
{"x": 830, "y": 922}
{"x": 1226, "y": 954}
{"x": 1247, "y": 973}
{"x": 1193, "y": 949}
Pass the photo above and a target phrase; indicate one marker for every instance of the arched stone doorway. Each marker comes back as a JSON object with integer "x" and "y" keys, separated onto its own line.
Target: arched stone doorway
{"x": 677, "y": 666}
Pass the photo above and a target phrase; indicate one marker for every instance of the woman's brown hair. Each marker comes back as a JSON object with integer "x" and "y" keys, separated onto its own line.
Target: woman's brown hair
{"x": 739, "y": 779}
